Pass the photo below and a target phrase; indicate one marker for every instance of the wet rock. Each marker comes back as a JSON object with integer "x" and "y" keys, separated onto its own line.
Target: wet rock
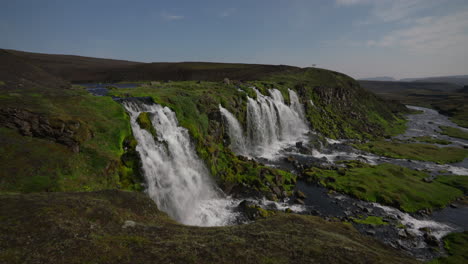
{"x": 300, "y": 194}
{"x": 299, "y": 201}
{"x": 402, "y": 233}
{"x": 370, "y": 232}
{"x": 272, "y": 197}
{"x": 250, "y": 210}
{"x": 276, "y": 190}
{"x": 401, "y": 244}
{"x": 314, "y": 212}
{"x": 431, "y": 240}
{"x": 453, "y": 205}
{"x": 299, "y": 144}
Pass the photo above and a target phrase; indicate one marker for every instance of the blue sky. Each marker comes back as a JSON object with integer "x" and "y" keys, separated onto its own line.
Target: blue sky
{"x": 362, "y": 38}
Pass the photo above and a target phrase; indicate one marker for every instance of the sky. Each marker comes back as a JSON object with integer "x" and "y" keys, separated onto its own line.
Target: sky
{"x": 362, "y": 38}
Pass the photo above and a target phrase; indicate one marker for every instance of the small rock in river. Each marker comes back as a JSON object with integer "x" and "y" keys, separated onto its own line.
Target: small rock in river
{"x": 402, "y": 233}
{"x": 300, "y": 194}
{"x": 299, "y": 201}
{"x": 370, "y": 232}
{"x": 431, "y": 240}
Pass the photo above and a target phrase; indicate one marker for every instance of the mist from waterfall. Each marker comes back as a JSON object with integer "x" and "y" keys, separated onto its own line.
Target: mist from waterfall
{"x": 178, "y": 181}
{"x": 271, "y": 125}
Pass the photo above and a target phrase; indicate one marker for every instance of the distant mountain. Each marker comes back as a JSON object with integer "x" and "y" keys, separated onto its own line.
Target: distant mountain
{"x": 383, "y": 79}
{"x": 456, "y": 79}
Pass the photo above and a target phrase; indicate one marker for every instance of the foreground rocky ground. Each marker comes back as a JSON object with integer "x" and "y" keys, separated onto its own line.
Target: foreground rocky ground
{"x": 126, "y": 227}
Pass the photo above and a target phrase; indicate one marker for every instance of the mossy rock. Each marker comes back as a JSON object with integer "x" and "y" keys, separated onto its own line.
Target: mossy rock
{"x": 144, "y": 121}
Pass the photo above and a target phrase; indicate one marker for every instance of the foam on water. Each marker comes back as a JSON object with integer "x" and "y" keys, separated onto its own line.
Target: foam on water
{"x": 414, "y": 225}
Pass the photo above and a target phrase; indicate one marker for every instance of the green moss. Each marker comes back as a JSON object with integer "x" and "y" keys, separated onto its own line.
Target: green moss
{"x": 31, "y": 164}
{"x": 456, "y": 245}
{"x": 392, "y": 185}
{"x": 2, "y": 83}
{"x": 432, "y": 140}
{"x": 370, "y": 220}
{"x": 415, "y": 151}
{"x": 144, "y": 121}
{"x": 454, "y": 132}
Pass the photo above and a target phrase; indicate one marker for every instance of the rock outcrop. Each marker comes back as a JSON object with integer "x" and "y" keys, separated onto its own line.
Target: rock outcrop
{"x": 70, "y": 133}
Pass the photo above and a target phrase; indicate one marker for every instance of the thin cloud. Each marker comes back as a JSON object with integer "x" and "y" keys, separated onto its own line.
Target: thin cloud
{"x": 352, "y": 2}
{"x": 391, "y": 10}
{"x": 227, "y": 13}
{"x": 171, "y": 17}
{"x": 447, "y": 33}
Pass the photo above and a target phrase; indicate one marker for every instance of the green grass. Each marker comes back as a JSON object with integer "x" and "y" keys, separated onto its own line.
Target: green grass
{"x": 31, "y": 164}
{"x": 456, "y": 245}
{"x": 432, "y": 140}
{"x": 414, "y": 151}
{"x": 370, "y": 220}
{"x": 454, "y": 132}
{"x": 391, "y": 185}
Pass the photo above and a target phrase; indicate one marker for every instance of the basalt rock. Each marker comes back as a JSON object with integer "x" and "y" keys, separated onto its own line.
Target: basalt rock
{"x": 70, "y": 133}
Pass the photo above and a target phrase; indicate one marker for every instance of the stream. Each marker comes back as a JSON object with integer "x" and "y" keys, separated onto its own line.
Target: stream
{"x": 421, "y": 233}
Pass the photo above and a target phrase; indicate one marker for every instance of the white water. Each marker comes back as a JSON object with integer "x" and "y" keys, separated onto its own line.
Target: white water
{"x": 177, "y": 179}
{"x": 238, "y": 144}
{"x": 414, "y": 225}
{"x": 271, "y": 125}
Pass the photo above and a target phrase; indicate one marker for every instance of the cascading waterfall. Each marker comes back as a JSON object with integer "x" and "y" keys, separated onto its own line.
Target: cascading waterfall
{"x": 271, "y": 125}
{"x": 238, "y": 144}
{"x": 177, "y": 179}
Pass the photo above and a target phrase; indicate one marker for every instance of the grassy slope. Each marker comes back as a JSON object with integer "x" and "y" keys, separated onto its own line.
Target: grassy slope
{"x": 35, "y": 164}
{"x": 391, "y": 185}
{"x": 415, "y": 151}
{"x": 456, "y": 245}
{"x": 87, "y": 228}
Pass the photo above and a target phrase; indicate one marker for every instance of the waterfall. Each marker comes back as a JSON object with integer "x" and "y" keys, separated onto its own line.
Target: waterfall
{"x": 295, "y": 104}
{"x": 271, "y": 125}
{"x": 177, "y": 179}
{"x": 235, "y": 132}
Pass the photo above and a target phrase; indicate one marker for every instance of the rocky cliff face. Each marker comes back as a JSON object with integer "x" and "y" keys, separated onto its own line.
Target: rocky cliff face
{"x": 69, "y": 133}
